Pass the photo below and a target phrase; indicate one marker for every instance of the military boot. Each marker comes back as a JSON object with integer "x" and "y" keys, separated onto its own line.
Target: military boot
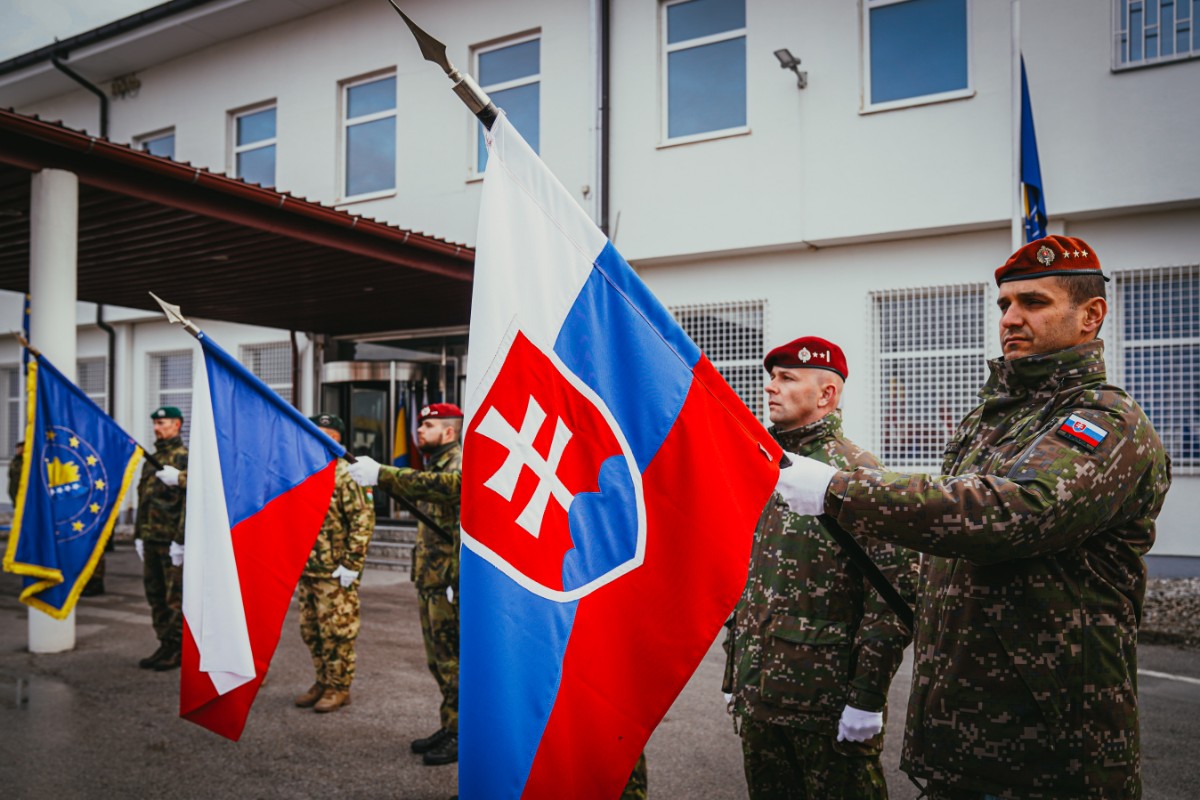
{"x": 149, "y": 661}
{"x": 446, "y": 752}
{"x": 310, "y": 698}
{"x": 171, "y": 659}
{"x": 429, "y": 742}
{"x": 332, "y": 700}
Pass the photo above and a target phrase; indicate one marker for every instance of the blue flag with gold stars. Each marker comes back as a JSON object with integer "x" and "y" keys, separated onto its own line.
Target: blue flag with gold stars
{"x": 77, "y": 468}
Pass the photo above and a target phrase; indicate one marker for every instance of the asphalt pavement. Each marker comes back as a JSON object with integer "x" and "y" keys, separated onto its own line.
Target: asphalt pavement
{"x": 93, "y": 725}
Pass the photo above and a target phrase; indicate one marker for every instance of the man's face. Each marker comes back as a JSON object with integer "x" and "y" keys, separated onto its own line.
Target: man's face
{"x": 332, "y": 433}
{"x": 433, "y": 433}
{"x": 797, "y": 396}
{"x": 167, "y": 428}
{"x": 1037, "y": 316}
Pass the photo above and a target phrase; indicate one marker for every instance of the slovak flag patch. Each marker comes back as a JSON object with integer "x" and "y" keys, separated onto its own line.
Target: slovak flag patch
{"x": 1083, "y": 432}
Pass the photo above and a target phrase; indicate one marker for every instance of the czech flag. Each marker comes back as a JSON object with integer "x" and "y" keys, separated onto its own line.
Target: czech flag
{"x": 611, "y": 484}
{"x": 260, "y": 476}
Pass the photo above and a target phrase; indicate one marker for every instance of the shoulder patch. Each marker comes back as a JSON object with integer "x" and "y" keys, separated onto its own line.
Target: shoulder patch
{"x": 1082, "y": 432}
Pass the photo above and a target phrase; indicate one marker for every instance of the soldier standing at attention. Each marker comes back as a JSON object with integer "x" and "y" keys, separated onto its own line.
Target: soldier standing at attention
{"x": 812, "y": 648}
{"x": 329, "y": 607}
{"x": 1025, "y": 678}
{"x": 437, "y": 490}
{"x": 158, "y": 537}
{"x": 14, "y": 471}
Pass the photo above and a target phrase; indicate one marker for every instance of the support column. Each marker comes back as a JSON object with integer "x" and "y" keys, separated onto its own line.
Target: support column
{"x": 53, "y": 280}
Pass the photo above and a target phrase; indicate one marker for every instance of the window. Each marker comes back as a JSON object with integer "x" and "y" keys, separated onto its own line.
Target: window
{"x": 91, "y": 375}
{"x": 369, "y": 135}
{"x": 929, "y": 347}
{"x": 1157, "y": 318}
{"x": 170, "y": 382}
{"x": 158, "y": 144}
{"x": 731, "y": 336}
{"x": 1153, "y": 31}
{"x": 12, "y": 425}
{"x": 915, "y": 51}
{"x": 271, "y": 363}
{"x": 254, "y": 146}
{"x": 511, "y": 74}
{"x": 704, "y": 50}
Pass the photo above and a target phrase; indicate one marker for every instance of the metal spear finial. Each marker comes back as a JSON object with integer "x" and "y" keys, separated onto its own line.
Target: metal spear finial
{"x": 175, "y": 315}
{"x": 25, "y": 343}
{"x": 464, "y": 85}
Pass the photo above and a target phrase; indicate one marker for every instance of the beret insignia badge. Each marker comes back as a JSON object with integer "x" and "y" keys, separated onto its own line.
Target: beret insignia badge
{"x": 804, "y": 355}
{"x": 1045, "y": 255}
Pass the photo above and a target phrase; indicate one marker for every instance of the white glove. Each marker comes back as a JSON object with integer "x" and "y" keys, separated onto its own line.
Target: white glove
{"x": 450, "y": 593}
{"x": 168, "y": 475}
{"x": 802, "y": 485}
{"x": 140, "y": 547}
{"x": 857, "y": 725}
{"x": 176, "y": 553}
{"x": 728, "y": 698}
{"x": 365, "y": 471}
{"x": 346, "y": 576}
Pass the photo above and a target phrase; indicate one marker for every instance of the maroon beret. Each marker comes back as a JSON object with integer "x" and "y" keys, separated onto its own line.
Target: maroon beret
{"x": 1051, "y": 255}
{"x": 808, "y": 351}
{"x": 440, "y": 411}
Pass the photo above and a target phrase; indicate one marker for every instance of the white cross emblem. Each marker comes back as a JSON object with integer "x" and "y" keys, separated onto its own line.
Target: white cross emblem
{"x": 521, "y": 454}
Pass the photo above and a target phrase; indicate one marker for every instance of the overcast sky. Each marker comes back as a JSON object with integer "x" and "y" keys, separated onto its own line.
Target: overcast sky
{"x": 29, "y": 24}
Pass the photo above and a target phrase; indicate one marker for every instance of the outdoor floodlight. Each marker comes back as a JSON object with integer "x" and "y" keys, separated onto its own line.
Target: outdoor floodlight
{"x": 789, "y": 61}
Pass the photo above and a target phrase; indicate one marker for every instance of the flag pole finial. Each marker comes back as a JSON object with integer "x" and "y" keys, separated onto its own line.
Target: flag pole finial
{"x": 175, "y": 315}
{"x": 25, "y": 343}
{"x": 475, "y": 98}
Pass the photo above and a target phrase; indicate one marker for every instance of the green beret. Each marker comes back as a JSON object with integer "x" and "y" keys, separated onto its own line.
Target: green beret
{"x": 167, "y": 412}
{"x": 331, "y": 421}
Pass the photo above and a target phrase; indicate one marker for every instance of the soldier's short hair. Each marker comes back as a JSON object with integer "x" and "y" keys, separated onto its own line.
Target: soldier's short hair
{"x": 1081, "y": 288}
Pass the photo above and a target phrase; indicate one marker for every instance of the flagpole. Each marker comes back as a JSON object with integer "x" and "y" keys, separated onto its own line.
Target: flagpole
{"x": 1018, "y": 236}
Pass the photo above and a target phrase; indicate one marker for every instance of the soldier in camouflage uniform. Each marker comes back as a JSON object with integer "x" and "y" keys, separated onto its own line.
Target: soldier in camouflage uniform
{"x": 437, "y": 491}
{"x": 812, "y": 648}
{"x": 328, "y": 590}
{"x": 1025, "y": 679}
{"x": 14, "y": 471}
{"x": 158, "y": 536}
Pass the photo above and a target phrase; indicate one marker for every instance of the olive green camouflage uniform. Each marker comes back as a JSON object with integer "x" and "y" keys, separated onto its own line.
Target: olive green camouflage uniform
{"x": 810, "y": 636}
{"x": 329, "y": 613}
{"x": 14, "y": 475}
{"x": 437, "y": 491}
{"x": 638, "y": 783}
{"x": 1025, "y": 675}
{"x": 160, "y": 515}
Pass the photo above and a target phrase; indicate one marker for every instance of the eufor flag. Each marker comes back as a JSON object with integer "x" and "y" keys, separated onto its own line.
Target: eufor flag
{"x": 611, "y": 484}
{"x": 1033, "y": 201}
{"x": 260, "y": 476}
{"x": 77, "y": 467}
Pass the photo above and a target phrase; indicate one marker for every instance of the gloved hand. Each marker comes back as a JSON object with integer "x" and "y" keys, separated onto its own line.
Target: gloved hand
{"x": 728, "y": 698}
{"x": 176, "y": 553}
{"x": 450, "y": 593}
{"x": 168, "y": 475}
{"x": 365, "y": 471}
{"x": 857, "y": 725}
{"x": 802, "y": 485}
{"x": 140, "y": 547}
{"x": 346, "y": 576}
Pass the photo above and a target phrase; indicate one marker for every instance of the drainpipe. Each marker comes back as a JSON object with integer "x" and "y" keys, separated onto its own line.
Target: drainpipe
{"x": 605, "y": 60}
{"x": 91, "y": 87}
{"x": 112, "y": 359}
{"x": 296, "y": 373}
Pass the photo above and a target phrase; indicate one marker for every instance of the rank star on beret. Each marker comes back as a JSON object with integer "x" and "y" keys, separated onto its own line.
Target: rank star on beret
{"x": 808, "y": 351}
{"x": 440, "y": 411}
{"x": 331, "y": 421}
{"x": 167, "y": 412}
{"x": 1050, "y": 255}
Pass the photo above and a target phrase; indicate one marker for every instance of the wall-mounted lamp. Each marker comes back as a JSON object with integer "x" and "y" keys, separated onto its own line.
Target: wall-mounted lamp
{"x": 789, "y": 61}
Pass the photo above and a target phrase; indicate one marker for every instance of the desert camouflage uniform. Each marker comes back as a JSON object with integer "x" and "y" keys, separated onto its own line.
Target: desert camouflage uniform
{"x": 1025, "y": 677}
{"x": 810, "y": 636}
{"x": 329, "y": 613}
{"x": 437, "y": 491}
{"x": 160, "y": 515}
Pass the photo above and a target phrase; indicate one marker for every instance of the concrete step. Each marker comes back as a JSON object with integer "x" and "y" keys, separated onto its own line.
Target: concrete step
{"x": 391, "y": 547}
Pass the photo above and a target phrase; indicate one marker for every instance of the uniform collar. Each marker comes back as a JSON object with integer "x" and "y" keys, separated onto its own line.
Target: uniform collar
{"x": 801, "y": 440}
{"x": 437, "y": 454}
{"x": 1045, "y": 372}
{"x": 168, "y": 444}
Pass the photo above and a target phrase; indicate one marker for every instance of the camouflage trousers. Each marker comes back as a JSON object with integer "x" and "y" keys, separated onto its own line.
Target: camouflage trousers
{"x": 784, "y": 763}
{"x": 439, "y": 627}
{"x": 163, "y": 582}
{"x": 329, "y": 623}
{"x": 638, "y": 781}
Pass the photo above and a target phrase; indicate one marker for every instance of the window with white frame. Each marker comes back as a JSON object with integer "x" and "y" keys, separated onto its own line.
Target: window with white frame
{"x": 929, "y": 347}
{"x": 254, "y": 145}
{"x": 161, "y": 143}
{"x": 1154, "y": 31}
{"x": 169, "y": 379}
{"x": 730, "y": 334}
{"x": 369, "y": 135}
{"x": 91, "y": 375}
{"x": 704, "y": 67}
{"x": 511, "y": 74}
{"x": 1157, "y": 318}
{"x": 914, "y": 51}
{"x": 12, "y": 426}
{"x": 271, "y": 363}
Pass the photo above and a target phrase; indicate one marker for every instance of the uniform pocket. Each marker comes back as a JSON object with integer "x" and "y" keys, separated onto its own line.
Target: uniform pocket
{"x": 805, "y": 664}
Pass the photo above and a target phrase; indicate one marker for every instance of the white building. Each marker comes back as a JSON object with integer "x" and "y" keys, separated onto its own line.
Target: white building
{"x": 870, "y": 206}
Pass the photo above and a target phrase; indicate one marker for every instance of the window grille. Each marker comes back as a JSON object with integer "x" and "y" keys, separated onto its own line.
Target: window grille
{"x": 1157, "y": 355}
{"x": 91, "y": 375}
{"x": 1154, "y": 31}
{"x": 170, "y": 382}
{"x": 271, "y": 363}
{"x": 731, "y": 335}
{"x": 12, "y": 426}
{"x": 929, "y": 347}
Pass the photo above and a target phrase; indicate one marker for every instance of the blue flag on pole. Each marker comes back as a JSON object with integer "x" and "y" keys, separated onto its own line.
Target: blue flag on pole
{"x": 77, "y": 468}
{"x": 1033, "y": 201}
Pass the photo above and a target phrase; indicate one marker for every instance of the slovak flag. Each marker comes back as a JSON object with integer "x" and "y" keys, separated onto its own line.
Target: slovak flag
{"x": 260, "y": 476}
{"x": 611, "y": 484}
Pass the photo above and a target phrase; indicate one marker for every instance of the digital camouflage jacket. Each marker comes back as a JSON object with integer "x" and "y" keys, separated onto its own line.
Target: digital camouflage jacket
{"x": 437, "y": 491}
{"x": 809, "y": 634}
{"x": 1025, "y": 676}
{"x": 161, "y": 509}
{"x": 347, "y": 529}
